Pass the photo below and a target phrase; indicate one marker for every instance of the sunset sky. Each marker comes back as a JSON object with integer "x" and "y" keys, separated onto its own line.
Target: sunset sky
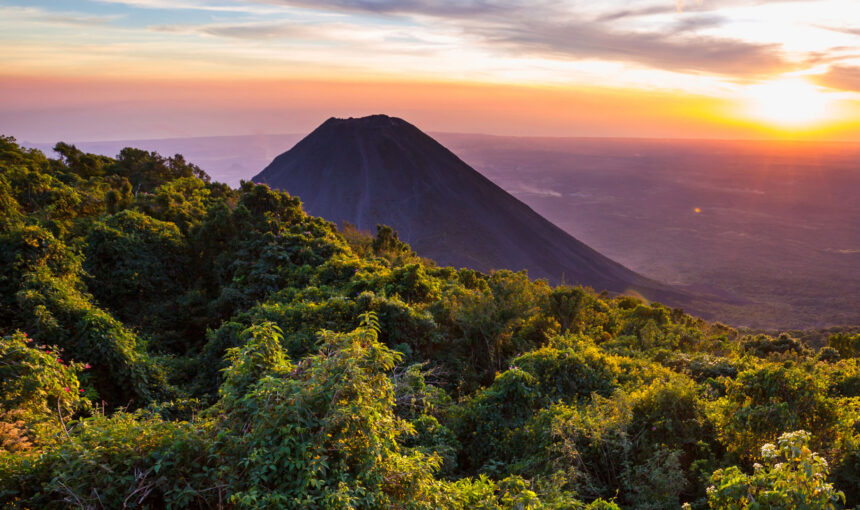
{"x": 122, "y": 69}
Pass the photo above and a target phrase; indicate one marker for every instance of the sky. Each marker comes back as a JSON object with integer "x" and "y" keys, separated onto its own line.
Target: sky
{"x": 79, "y": 70}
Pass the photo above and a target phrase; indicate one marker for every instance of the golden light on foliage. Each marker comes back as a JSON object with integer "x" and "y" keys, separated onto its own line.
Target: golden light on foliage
{"x": 791, "y": 102}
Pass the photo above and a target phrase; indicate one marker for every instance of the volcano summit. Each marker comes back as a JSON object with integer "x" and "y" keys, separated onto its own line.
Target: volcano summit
{"x": 383, "y": 170}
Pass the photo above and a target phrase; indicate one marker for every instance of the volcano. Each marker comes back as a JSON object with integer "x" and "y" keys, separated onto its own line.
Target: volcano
{"x": 383, "y": 170}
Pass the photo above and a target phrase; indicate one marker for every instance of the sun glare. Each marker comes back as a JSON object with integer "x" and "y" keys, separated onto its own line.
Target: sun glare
{"x": 791, "y": 103}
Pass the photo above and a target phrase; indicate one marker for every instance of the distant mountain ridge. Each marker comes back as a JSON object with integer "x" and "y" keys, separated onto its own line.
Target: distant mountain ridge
{"x": 383, "y": 170}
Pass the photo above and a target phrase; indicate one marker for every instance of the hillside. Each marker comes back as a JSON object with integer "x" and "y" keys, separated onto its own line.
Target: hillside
{"x": 170, "y": 342}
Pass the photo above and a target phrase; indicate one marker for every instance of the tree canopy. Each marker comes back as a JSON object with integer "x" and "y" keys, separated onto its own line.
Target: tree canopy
{"x": 169, "y": 342}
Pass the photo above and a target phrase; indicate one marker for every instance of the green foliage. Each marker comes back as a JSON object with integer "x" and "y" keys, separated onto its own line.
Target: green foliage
{"x": 569, "y": 306}
{"x": 147, "y": 170}
{"x": 83, "y": 164}
{"x": 38, "y": 392}
{"x": 764, "y": 346}
{"x": 131, "y": 257}
{"x": 511, "y": 493}
{"x": 201, "y": 320}
{"x": 847, "y": 345}
{"x": 846, "y": 471}
{"x": 322, "y": 433}
{"x": 491, "y": 423}
{"x": 591, "y": 444}
{"x": 641, "y": 442}
{"x": 259, "y": 355}
{"x": 495, "y": 321}
{"x": 127, "y": 460}
{"x": 123, "y": 373}
{"x": 387, "y": 244}
{"x": 843, "y": 377}
{"x": 569, "y": 374}
{"x": 763, "y": 402}
{"x": 701, "y": 366}
{"x": 792, "y": 477}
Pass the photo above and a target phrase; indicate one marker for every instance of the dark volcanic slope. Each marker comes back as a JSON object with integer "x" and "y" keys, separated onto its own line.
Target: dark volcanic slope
{"x": 383, "y": 170}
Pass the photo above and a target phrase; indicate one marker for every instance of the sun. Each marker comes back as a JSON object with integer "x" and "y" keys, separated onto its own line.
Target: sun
{"x": 790, "y": 102}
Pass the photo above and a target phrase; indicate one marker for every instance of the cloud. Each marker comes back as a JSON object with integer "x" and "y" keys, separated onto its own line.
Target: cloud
{"x": 258, "y": 30}
{"x": 56, "y": 18}
{"x": 458, "y": 8}
{"x": 692, "y": 23}
{"x": 222, "y": 6}
{"x": 251, "y": 31}
{"x": 832, "y": 55}
{"x": 635, "y": 13}
{"x": 844, "y": 30}
{"x": 548, "y": 29}
{"x": 557, "y": 30}
{"x": 842, "y": 78}
{"x": 439, "y": 8}
{"x": 668, "y": 51}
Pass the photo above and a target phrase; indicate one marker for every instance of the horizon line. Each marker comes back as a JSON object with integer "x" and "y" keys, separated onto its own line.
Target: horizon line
{"x": 461, "y": 133}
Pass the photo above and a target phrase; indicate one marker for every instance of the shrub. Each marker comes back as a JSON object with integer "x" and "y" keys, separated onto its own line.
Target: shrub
{"x": 320, "y": 433}
{"x": 847, "y": 345}
{"x": 132, "y": 260}
{"x": 569, "y": 374}
{"x": 116, "y": 462}
{"x": 490, "y": 424}
{"x": 763, "y": 401}
{"x": 792, "y": 476}
{"x": 764, "y": 345}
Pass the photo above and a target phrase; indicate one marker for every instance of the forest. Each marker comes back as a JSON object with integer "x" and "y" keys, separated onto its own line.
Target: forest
{"x": 172, "y": 342}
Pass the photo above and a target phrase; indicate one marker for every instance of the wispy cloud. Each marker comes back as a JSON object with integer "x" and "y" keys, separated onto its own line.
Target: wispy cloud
{"x": 621, "y": 14}
{"x": 654, "y": 49}
{"x": 710, "y": 46}
{"x": 251, "y": 31}
{"x": 218, "y": 6}
{"x": 441, "y": 8}
{"x": 844, "y": 30}
{"x": 34, "y": 14}
{"x": 556, "y": 30}
{"x": 842, "y": 78}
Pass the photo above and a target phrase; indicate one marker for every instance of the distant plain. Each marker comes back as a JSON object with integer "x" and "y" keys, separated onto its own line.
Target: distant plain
{"x": 774, "y": 223}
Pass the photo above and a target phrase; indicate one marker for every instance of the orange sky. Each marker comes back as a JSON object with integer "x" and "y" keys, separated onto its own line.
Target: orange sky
{"x": 131, "y": 69}
{"x": 90, "y": 109}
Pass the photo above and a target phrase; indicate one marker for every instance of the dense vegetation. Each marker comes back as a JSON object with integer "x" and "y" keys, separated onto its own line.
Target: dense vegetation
{"x": 169, "y": 342}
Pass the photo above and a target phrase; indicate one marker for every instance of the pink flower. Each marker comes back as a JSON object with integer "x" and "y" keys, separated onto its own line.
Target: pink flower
{"x": 87, "y": 366}
{"x": 67, "y": 389}
{"x": 48, "y": 352}
{"x": 59, "y": 361}
{"x": 81, "y": 390}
